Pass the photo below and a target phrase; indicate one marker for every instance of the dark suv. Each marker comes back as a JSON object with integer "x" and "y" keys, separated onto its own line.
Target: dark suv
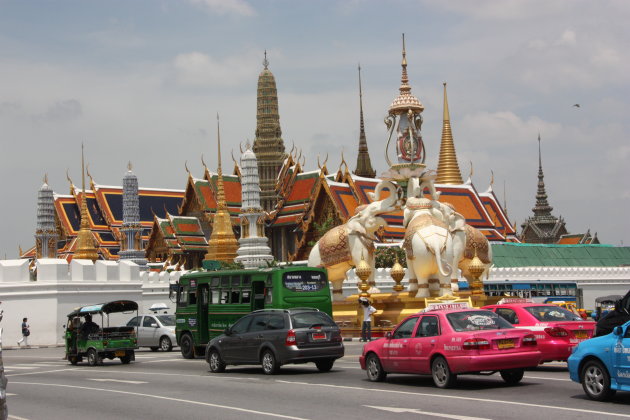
{"x": 275, "y": 337}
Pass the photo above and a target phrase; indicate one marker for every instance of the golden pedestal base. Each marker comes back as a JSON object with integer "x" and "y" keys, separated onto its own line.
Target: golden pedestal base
{"x": 391, "y": 308}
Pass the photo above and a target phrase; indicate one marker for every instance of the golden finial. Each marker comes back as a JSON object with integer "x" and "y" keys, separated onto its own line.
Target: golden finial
{"x": 471, "y": 170}
{"x": 232, "y": 154}
{"x": 87, "y": 171}
{"x": 46, "y": 178}
{"x": 129, "y": 166}
{"x": 186, "y": 166}
{"x": 219, "y": 137}
{"x": 82, "y": 170}
{"x": 265, "y": 61}
{"x": 343, "y": 161}
{"x": 504, "y": 199}
{"x": 203, "y": 163}
{"x": 448, "y": 168}
{"x": 19, "y": 251}
{"x": 491, "y": 178}
{"x": 447, "y": 116}
{"x": 85, "y": 249}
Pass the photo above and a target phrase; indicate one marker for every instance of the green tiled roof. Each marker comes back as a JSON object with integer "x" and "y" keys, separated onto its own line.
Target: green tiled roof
{"x": 540, "y": 255}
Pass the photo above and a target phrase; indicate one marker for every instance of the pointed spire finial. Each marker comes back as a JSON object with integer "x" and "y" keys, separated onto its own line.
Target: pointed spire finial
{"x": 404, "y": 80}
{"x": 218, "y": 144}
{"x": 82, "y": 169}
{"x": 447, "y": 115}
{"x": 129, "y": 166}
{"x": 46, "y": 178}
{"x": 265, "y": 61}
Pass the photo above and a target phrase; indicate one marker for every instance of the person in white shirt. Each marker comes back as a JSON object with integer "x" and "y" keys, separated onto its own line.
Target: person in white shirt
{"x": 366, "y": 327}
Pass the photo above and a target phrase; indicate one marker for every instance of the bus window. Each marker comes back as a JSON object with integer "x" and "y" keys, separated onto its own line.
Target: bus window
{"x": 214, "y": 294}
{"x": 246, "y": 296}
{"x": 236, "y": 281}
{"x": 269, "y": 282}
{"x": 204, "y": 296}
{"x": 214, "y": 282}
{"x": 225, "y": 296}
{"x": 247, "y": 281}
{"x": 192, "y": 297}
{"x": 236, "y": 296}
{"x": 225, "y": 281}
{"x": 268, "y": 296}
{"x": 183, "y": 296}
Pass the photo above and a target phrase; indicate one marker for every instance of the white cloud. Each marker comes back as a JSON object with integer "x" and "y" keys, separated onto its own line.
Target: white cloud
{"x": 226, "y": 7}
{"x": 196, "y": 69}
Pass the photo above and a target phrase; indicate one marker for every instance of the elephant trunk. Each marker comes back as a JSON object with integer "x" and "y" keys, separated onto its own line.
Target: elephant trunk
{"x": 435, "y": 246}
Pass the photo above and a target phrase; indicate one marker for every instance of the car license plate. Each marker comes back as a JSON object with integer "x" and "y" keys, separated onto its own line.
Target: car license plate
{"x": 505, "y": 344}
{"x": 120, "y": 353}
{"x": 580, "y": 334}
{"x": 319, "y": 336}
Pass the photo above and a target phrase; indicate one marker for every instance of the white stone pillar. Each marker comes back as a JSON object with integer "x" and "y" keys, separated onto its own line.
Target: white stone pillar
{"x": 53, "y": 270}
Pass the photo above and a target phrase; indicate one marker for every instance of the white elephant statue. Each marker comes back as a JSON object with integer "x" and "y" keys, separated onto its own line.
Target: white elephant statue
{"x": 429, "y": 247}
{"x": 343, "y": 247}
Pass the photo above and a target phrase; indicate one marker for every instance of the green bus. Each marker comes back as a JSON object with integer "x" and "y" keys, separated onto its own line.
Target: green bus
{"x": 210, "y": 301}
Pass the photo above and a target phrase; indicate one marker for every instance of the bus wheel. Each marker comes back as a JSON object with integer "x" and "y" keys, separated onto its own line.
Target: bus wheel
{"x": 187, "y": 347}
{"x": 269, "y": 363}
{"x": 216, "y": 363}
{"x": 92, "y": 357}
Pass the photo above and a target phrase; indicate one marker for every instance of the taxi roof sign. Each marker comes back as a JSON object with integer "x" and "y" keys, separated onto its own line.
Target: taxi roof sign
{"x": 444, "y": 306}
{"x": 514, "y": 300}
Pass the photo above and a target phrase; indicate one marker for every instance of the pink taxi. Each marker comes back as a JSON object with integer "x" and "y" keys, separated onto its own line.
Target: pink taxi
{"x": 557, "y": 329}
{"x": 446, "y": 342}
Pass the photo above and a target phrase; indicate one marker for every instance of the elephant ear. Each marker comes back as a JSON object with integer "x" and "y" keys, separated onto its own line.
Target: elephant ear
{"x": 371, "y": 195}
{"x": 457, "y": 222}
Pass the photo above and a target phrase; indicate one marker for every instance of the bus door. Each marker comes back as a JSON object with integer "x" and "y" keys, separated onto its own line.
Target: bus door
{"x": 203, "y": 293}
{"x": 259, "y": 295}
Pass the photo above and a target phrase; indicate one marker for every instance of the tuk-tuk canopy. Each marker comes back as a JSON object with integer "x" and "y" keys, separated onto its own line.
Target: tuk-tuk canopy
{"x": 609, "y": 298}
{"x": 108, "y": 308}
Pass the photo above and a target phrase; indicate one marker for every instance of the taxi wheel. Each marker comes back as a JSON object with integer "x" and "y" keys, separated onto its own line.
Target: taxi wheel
{"x": 186, "y": 346}
{"x": 269, "y": 363}
{"x": 442, "y": 375}
{"x": 165, "y": 344}
{"x": 374, "y": 369}
{"x": 596, "y": 381}
{"x": 92, "y": 357}
{"x": 512, "y": 376}
{"x": 216, "y": 363}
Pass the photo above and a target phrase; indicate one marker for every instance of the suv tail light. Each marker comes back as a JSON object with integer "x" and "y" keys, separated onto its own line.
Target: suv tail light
{"x": 476, "y": 344}
{"x": 557, "y": 332}
{"x": 290, "y": 340}
{"x": 529, "y": 340}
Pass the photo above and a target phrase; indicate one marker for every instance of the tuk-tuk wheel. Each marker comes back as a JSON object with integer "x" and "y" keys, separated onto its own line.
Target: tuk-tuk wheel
{"x": 92, "y": 357}
{"x": 74, "y": 359}
{"x": 126, "y": 359}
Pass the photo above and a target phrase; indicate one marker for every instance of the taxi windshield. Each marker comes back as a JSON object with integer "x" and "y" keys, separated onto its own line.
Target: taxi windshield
{"x": 476, "y": 320}
{"x": 167, "y": 320}
{"x": 552, "y": 313}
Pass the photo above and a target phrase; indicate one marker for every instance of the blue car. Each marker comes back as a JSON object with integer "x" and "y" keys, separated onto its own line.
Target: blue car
{"x": 602, "y": 364}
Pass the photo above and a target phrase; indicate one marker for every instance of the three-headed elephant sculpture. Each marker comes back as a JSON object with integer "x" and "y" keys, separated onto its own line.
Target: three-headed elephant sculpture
{"x": 429, "y": 247}
{"x": 343, "y": 247}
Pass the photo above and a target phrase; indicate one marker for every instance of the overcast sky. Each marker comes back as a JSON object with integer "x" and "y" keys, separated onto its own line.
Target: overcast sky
{"x": 143, "y": 80}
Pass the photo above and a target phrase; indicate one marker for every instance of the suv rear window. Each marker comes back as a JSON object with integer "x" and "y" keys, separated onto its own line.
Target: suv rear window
{"x": 304, "y": 281}
{"x": 310, "y": 319}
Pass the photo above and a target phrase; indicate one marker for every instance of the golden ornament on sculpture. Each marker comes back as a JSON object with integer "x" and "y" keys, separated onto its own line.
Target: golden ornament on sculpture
{"x": 398, "y": 272}
{"x": 364, "y": 271}
{"x": 476, "y": 269}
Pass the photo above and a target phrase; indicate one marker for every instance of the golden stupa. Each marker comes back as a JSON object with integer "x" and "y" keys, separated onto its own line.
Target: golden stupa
{"x": 223, "y": 244}
{"x": 85, "y": 249}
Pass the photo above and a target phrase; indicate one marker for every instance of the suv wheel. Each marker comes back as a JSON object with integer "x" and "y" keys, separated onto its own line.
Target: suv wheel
{"x": 269, "y": 363}
{"x": 325, "y": 365}
{"x": 165, "y": 344}
{"x": 216, "y": 363}
{"x": 186, "y": 346}
{"x": 596, "y": 381}
{"x": 374, "y": 369}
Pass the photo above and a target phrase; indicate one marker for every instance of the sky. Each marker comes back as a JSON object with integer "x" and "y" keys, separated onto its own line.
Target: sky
{"x": 143, "y": 81}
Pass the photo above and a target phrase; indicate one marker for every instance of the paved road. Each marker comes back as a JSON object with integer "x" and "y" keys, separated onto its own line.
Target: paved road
{"x": 165, "y": 386}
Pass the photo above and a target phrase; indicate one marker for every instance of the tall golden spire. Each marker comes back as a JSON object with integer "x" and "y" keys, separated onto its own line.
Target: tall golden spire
{"x": 364, "y": 165}
{"x": 448, "y": 169}
{"x": 222, "y": 245}
{"x": 85, "y": 249}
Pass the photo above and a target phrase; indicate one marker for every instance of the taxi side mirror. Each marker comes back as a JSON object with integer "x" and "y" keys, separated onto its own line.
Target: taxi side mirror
{"x": 388, "y": 335}
{"x": 618, "y": 331}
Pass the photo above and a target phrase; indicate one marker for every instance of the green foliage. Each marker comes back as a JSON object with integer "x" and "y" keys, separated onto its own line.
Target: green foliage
{"x": 273, "y": 263}
{"x": 322, "y": 228}
{"x": 386, "y": 256}
{"x": 231, "y": 265}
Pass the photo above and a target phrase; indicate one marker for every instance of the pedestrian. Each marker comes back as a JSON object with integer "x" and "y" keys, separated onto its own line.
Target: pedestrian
{"x": 26, "y": 331}
{"x": 366, "y": 327}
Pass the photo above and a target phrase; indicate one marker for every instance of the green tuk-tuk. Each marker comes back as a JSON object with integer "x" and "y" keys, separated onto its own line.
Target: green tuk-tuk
{"x": 85, "y": 338}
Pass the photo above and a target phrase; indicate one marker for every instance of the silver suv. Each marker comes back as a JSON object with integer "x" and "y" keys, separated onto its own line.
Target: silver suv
{"x": 155, "y": 331}
{"x": 275, "y": 337}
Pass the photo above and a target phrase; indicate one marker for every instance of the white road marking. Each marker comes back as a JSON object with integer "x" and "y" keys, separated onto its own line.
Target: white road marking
{"x": 38, "y": 373}
{"x": 160, "y": 397}
{"x": 21, "y": 367}
{"x": 117, "y": 380}
{"x": 16, "y": 417}
{"x": 547, "y": 379}
{"x": 10, "y": 394}
{"x": 455, "y": 397}
{"x": 200, "y": 375}
{"x": 425, "y": 413}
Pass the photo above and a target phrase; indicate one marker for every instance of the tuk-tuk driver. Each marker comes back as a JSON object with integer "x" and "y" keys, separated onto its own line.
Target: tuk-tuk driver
{"x": 89, "y": 326}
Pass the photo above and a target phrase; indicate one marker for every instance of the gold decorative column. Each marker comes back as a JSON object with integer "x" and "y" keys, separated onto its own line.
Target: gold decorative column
{"x": 397, "y": 272}
{"x": 476, "y": 269}
{"x": 363, "y": 271}
{"x": 85, "y": 249}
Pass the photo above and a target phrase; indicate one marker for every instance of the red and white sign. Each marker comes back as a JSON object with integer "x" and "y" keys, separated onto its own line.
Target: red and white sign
{"x": 447, "y": 306}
